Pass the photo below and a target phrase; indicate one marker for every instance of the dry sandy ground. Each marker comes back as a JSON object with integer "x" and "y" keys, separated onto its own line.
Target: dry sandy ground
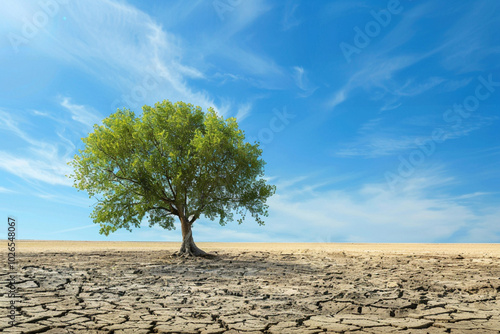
{"x": 136, "y": 287}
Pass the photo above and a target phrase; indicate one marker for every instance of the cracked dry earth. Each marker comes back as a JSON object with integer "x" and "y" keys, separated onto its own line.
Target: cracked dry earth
{"x": 251, "y": 291}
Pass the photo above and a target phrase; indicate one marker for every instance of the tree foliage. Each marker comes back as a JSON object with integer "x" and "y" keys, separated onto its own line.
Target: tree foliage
{"x": 174, "y": 160}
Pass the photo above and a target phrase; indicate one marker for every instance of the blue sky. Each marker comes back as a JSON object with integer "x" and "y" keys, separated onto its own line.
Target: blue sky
{"x": 379, "y": 119}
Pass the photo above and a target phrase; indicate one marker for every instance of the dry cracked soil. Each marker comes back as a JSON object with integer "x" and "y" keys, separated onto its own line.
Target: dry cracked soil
{"x": 266, "y": 288}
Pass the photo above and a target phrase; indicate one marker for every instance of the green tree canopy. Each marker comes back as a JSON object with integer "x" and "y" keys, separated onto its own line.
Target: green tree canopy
{"x": 172, "y": 161}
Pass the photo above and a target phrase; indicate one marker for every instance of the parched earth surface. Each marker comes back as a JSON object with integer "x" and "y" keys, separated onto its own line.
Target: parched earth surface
{"x": 270, "y": 290}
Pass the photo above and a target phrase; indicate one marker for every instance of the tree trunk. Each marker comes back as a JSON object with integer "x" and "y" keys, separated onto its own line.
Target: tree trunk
{"x": 188, "y": 247}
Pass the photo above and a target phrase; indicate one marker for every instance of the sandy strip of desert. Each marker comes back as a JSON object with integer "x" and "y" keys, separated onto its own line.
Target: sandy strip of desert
{"x": 139, "y": 287}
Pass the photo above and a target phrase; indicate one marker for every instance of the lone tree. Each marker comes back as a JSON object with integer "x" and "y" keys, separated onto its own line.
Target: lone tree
{"x": 172, "y": 161}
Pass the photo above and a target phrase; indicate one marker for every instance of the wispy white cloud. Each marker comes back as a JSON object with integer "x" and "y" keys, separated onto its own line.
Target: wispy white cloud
{"x": 339, "y": 97}
{"x": 147, "y": 62}
{"x": 486, "y": 228}
{"x": 302, "y": 81}
{"x": 40, "y": 160}
{"x": 419, "y": 210}
{"x": 376, "y": 139}
{"x": 378, "y": 79}
{"x": 243, "y": 111}
{"x": 289, "y": 18}
{"x": 39, "y": 169}
{"x": 243, "y": 16}
{"x": 11, "y": 124}
{"x": 285, "y": 184}
{"x": 377, "y": 146}
{"x": 474, "y": 195}
{"x": 134, "y": 54}
{"x": 467, "y": 39}
{"x": 411, "y": 89}
{"x": 82, "y": 114}
{"x": 226, "y": 52}
{"x": 5, "y": 190}
{"x": 379, "y": 69}
{"x": 376, "y": 68}
{"x": 370, "y": 125}
{"x": 391, "y": 105}
{"x": 298, "y": 76}
{"x": 256, "y": 69}
{"x": 40, "y": 113}
{"x": 73, "y": 229}
{"x": 489, "y": 152}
